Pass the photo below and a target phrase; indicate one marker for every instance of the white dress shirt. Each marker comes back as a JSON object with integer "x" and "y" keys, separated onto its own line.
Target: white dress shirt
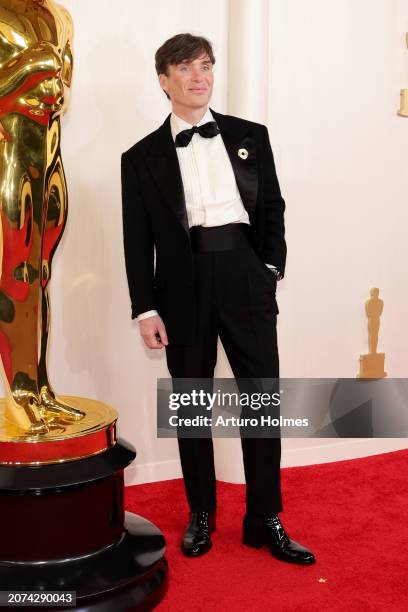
{"x": 211, "y": 193}
{"x": 210, "y": 190}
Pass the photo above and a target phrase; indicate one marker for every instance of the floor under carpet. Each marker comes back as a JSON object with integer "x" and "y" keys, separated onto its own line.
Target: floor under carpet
{"x": 351, "y": 514}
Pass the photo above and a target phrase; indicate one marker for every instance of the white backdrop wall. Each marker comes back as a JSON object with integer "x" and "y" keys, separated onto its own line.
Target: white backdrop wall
{"x": 334, "y": 71}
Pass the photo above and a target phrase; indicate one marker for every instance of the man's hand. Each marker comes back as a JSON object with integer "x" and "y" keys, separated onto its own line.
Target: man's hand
{"x": 153, "y": 332}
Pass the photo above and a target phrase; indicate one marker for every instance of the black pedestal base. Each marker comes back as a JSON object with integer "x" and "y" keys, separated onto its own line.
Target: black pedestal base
{"x": 130, "y": 575}
{"x": 63, "y": 528}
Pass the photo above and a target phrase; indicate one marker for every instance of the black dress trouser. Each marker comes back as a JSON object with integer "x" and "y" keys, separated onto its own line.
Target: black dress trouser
{"x": 235, "y": 299}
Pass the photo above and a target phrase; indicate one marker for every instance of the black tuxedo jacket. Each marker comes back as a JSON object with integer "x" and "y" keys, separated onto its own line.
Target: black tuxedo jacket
{"x": 155, "y": 218}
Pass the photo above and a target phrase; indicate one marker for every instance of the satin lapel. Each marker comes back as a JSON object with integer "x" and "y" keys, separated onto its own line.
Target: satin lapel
{"x": 245, "y": 167}
{"x": 165, "y": 168}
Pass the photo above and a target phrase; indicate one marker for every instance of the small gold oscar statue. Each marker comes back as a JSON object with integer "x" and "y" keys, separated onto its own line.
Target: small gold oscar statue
{"x": 62, "y": 520}
{"x": 403, "y": 110}
{"x": 372, "y": 365}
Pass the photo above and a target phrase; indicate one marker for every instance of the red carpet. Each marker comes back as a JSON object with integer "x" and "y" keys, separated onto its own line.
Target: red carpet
{"x": 352, "y": 514}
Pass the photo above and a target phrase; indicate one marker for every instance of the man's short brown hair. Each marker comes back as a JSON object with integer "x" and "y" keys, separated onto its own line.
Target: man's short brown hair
{"x": 181, "y": 48}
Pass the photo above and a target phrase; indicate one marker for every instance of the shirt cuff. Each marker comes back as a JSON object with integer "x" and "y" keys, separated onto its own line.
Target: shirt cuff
{"x": 275, "y": 270}
{"x": 147, "y": 314}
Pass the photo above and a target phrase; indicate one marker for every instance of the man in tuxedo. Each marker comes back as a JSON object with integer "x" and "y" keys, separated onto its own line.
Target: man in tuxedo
{"x": 201, "y": 192}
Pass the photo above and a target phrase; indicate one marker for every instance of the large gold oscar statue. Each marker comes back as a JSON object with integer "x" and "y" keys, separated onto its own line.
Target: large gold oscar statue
{"x": 63, "y": 525}
{"x": 35, "y": 78}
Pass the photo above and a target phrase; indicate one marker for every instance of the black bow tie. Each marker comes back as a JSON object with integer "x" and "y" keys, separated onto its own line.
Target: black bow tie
{"x": 207, "y": 130}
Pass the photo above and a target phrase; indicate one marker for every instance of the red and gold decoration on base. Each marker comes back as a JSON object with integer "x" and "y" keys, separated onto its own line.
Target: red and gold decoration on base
{"x": 93, "y": 434}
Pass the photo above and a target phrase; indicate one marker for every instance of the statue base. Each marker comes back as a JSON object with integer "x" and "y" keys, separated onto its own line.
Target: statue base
{"x": 93, "y": 434}
{"x": 63, "y": 528}
{"x": 372, "y": 366}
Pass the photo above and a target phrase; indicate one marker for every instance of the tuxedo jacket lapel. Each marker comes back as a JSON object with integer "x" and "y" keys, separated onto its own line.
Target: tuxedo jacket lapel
{"x": 165, "y": 169}
{"x": 164, "y": 166}
{"x": 235, "y": 136}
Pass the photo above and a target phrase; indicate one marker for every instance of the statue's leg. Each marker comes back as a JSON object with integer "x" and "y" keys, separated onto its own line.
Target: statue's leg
{"x": 374, "y": 340}
{"x": 18, "y": 350}
{"x": 373, "y": 329}
{"x": 19, "y": 320}
{"x": 55, "y": 218}
{"x": 49, "y": 401}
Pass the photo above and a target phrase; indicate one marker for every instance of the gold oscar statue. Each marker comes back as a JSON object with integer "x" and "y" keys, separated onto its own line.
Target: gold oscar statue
{"x": 403, "y": 110}
{"x": 63, "y": 524}
{"x": 35, "y": 78}
{"x": 372, "y": 364}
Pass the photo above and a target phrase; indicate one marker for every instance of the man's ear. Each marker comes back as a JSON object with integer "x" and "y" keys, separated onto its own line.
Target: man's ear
{"x": 163, "y": 80}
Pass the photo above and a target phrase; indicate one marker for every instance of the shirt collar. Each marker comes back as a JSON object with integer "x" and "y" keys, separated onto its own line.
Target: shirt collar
{"x": 178, "y": 125}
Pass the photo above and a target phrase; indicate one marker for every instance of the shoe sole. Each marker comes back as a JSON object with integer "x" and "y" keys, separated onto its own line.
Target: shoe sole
{"x": 254, "y": 542}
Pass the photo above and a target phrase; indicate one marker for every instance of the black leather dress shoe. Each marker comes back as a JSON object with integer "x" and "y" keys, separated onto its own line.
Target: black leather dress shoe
{"x": 271, "y": 532}
{"x": 196, "y": 540}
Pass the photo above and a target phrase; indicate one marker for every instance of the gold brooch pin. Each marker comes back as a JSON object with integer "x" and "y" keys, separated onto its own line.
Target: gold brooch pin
{"x": 243, "y": 153}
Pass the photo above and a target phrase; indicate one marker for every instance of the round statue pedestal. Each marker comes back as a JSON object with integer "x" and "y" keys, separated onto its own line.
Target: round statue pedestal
{"x": 63, "y": 525}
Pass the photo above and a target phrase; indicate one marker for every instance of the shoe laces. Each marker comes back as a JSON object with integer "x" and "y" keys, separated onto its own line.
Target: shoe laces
{"x": 203, "y": 521}
{"x": 274, "y": 523}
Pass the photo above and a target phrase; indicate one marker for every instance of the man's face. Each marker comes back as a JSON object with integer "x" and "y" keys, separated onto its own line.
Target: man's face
{"x": 189, "y": 83}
